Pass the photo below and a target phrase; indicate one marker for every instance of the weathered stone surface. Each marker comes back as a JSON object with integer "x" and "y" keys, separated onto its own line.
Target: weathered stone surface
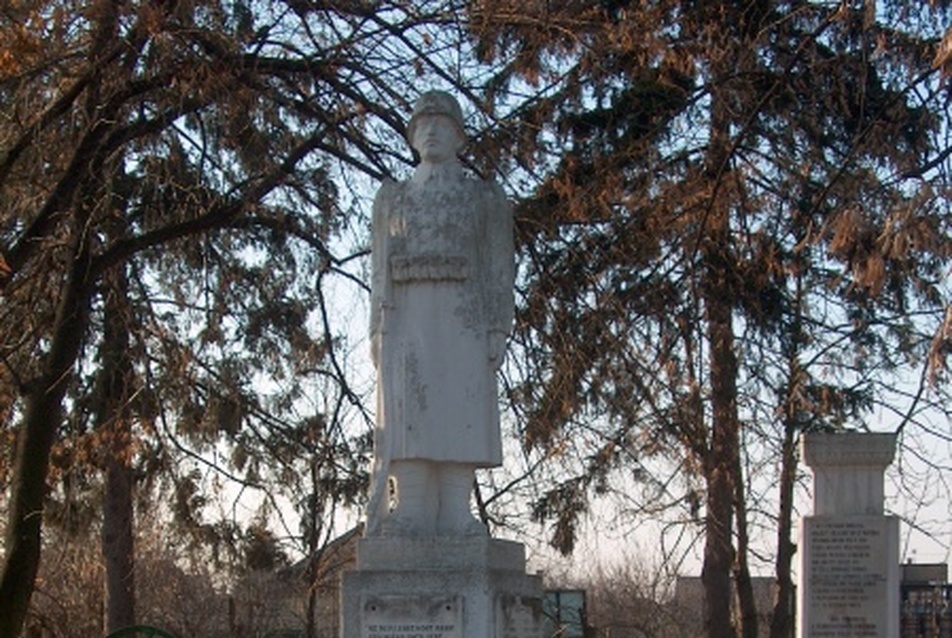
{"x": 848, "y": 471}
{"x": 440, "y": 588}
{"x": 441, "y": 310}
{"x": 851, "y": 571}
{"x": 440, "y": 553}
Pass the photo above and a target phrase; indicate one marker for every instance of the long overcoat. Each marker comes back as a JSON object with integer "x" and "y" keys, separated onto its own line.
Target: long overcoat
{"x": 441, "y": 293}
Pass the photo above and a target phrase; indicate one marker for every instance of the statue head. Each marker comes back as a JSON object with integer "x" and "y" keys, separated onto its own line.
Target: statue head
{"x": 437, "y": 104}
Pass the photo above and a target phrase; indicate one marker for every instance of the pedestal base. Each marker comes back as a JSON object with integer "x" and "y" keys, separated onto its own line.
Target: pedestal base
{"x": 440, "y": 587}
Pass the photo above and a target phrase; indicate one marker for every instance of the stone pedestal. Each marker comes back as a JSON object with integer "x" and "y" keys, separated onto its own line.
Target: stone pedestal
{"x": 849, "y": 551}
{"x": 440, "y": 587}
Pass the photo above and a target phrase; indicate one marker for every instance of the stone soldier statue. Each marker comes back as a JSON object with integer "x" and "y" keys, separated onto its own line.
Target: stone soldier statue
{"x": 441, "y": 310}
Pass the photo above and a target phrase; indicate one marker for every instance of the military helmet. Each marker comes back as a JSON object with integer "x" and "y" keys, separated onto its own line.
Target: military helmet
{"x": 436, "y": 103}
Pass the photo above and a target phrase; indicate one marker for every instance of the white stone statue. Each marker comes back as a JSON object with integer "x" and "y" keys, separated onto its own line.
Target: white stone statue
{"x": 441, "y": 310}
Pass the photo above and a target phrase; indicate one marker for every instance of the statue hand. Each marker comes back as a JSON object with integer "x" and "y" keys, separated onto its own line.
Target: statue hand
{"x": 375, "y": 348}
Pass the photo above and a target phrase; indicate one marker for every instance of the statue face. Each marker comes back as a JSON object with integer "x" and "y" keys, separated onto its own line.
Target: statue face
{"x": 436, "y": 139}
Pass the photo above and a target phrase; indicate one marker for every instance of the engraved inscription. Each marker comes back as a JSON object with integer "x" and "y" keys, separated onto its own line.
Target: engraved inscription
{"x": 411, "y": 617}
{"x": 846, "y": 579}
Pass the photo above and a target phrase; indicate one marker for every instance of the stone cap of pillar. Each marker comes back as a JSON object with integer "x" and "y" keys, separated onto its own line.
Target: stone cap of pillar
{"x": 866, "y": 449}
{"x": 848, "y": 471}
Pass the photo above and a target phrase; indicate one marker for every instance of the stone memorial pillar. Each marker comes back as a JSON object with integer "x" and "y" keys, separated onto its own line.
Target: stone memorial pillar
{"x": 441, "y": 310}
{"x": 849, "y": 550}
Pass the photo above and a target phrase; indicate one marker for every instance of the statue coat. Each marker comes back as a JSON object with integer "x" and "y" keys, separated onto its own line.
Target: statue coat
{"x": 441, "y": 306}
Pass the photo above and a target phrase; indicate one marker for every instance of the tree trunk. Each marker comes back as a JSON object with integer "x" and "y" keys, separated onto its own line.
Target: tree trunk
{"x": 42, "y": 417}
{"x": 118, "y": 545}
{"x": 722, "y": 456}
{"x": 114, "y": 422}
{"x": 746, "y": 602}
{"x": 311, "y": 626}
{"x": 782, "y": 617}
{"x": 718, "y": 550}
{"x": 781, "y": 621}
{"x": 315, "y": 548}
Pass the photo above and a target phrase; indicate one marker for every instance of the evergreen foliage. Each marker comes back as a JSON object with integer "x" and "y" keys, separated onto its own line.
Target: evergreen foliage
{"x": 732, "y": 224}
{"x": 741, "y": 233}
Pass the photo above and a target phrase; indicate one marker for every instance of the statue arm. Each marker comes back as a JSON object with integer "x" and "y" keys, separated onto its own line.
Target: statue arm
{"x": 501, "y": 264}
{"x": 379, "y": 255}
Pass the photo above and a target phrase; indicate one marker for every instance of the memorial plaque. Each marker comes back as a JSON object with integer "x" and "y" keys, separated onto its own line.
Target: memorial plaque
{"x": 411, "y": 617}
{"x": 848, "y": 569}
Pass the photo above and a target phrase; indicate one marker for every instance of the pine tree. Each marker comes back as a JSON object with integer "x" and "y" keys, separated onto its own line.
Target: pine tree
{"x": 740, "y": 214}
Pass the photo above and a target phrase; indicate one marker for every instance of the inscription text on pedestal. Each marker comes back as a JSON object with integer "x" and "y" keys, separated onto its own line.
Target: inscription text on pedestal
{"x": 411, "y": 617}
